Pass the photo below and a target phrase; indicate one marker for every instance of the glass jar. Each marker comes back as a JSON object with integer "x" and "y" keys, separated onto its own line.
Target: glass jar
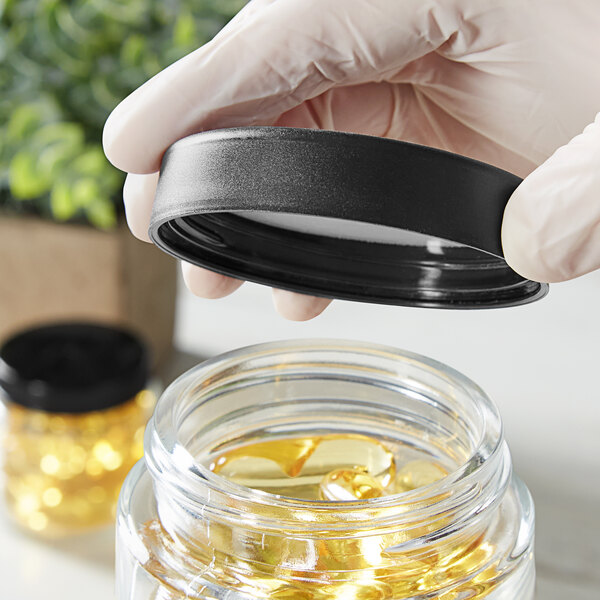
{"x": 76, "y": 404}
{"x": 184, "y": 531}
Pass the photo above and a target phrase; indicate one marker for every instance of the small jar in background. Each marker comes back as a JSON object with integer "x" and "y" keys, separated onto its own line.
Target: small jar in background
{"x": 76, "y": 402}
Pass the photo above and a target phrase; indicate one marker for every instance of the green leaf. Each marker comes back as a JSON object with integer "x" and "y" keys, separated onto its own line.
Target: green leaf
{"x": 151, "y": 65}
{"x": 102, "y": 214}
{"x": 91, "y": 162}
{"x": 67, "y": 63}
{"x": 26, "y": 182}
{"x": 65, "y": 18}
{"x": 71, "y": 134}
{"x": 62, "y": 203}
{"x": 27, "y": 118}
{"x": 113, "y": 179}
{"x": 184, "y": 32}
{"x": 54, "y": 160}
{"x": 42, "y": 157}
{"x": 56, "y": 145}
{"x": 226, "y": 7}
{"x": 85, "y": 192}
{"x": 132, "y": 51}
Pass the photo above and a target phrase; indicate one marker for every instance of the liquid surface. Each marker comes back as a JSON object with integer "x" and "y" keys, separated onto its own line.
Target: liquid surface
{"x": 330, "y": 566}
{"x": 305, "y": 467}
{"x": 64, "y": 471}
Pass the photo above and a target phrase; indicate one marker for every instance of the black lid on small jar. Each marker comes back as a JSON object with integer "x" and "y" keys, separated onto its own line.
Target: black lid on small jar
{"x": 73, "y": 367}
{"x": 340, "y": 215}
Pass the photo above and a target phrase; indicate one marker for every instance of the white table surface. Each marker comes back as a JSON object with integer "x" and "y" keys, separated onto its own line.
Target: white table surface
{"x": 540, "y": 363}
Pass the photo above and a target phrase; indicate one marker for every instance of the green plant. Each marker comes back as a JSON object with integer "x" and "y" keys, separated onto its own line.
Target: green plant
{"x": 64, "y": 65}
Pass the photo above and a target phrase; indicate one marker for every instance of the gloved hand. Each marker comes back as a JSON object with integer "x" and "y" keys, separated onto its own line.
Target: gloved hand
{"x": 508, "y": 82}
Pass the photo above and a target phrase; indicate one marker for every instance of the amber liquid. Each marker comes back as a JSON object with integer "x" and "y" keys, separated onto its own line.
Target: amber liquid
{"x": 64, "y": 471}
{"x": 337, "y": 467}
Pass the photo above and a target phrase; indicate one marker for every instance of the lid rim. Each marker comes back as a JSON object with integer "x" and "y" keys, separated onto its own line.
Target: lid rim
{"x": 208, "y": 177}
{"x": 506, "y": 295}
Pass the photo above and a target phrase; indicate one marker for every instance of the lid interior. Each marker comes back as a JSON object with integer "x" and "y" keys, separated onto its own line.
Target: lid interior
{"x": 340, "y": 215}
{"x": 426, "y": 271}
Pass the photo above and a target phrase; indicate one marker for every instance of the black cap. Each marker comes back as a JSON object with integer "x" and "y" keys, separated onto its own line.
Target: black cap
{"x": 340, "y": 215}
{"x": 73, "y": 367}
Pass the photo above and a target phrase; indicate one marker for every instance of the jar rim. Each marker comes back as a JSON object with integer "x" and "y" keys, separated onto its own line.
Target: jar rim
{"x": 162, "y": 438}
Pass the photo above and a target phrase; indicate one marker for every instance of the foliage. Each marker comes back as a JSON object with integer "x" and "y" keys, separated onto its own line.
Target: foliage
{"x": 64, "y": 65}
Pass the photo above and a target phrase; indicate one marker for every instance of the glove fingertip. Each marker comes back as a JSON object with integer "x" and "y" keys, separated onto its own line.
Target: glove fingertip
{"x": 298, "y": 307}
{"x": 208, "y": 284}
{"x": 525, "y": 243}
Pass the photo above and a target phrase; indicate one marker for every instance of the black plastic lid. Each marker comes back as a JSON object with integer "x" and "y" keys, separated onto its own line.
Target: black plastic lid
{"x": 340, "y": 215}
{"x": 73, "y": 367}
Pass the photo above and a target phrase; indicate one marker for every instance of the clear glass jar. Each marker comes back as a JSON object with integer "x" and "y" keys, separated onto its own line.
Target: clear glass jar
{"x": 184, "y": 531}
{"x": 75, "y": 403}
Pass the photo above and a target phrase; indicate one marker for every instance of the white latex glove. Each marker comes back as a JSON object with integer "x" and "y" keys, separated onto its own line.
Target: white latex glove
{"x": 509, "y": 82}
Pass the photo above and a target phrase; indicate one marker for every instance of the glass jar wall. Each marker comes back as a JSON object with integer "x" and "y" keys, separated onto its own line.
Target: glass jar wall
{"x": 324, "y": 470}
{"x": 63, "y": 472}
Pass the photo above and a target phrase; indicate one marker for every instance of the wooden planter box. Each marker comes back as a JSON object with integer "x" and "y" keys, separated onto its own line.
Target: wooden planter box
{"x": 51, "y": 272}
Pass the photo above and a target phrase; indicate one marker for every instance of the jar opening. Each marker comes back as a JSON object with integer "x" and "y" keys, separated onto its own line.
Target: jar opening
{"x": 294, "y": 389}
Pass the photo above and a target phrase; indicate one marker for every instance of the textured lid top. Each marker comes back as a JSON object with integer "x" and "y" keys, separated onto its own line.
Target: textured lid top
{"x": 340, "y": 215}
{"x": 73, "y": 367}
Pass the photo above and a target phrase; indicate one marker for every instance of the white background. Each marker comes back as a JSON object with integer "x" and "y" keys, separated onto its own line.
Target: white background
{"x": 540, "y": 363}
